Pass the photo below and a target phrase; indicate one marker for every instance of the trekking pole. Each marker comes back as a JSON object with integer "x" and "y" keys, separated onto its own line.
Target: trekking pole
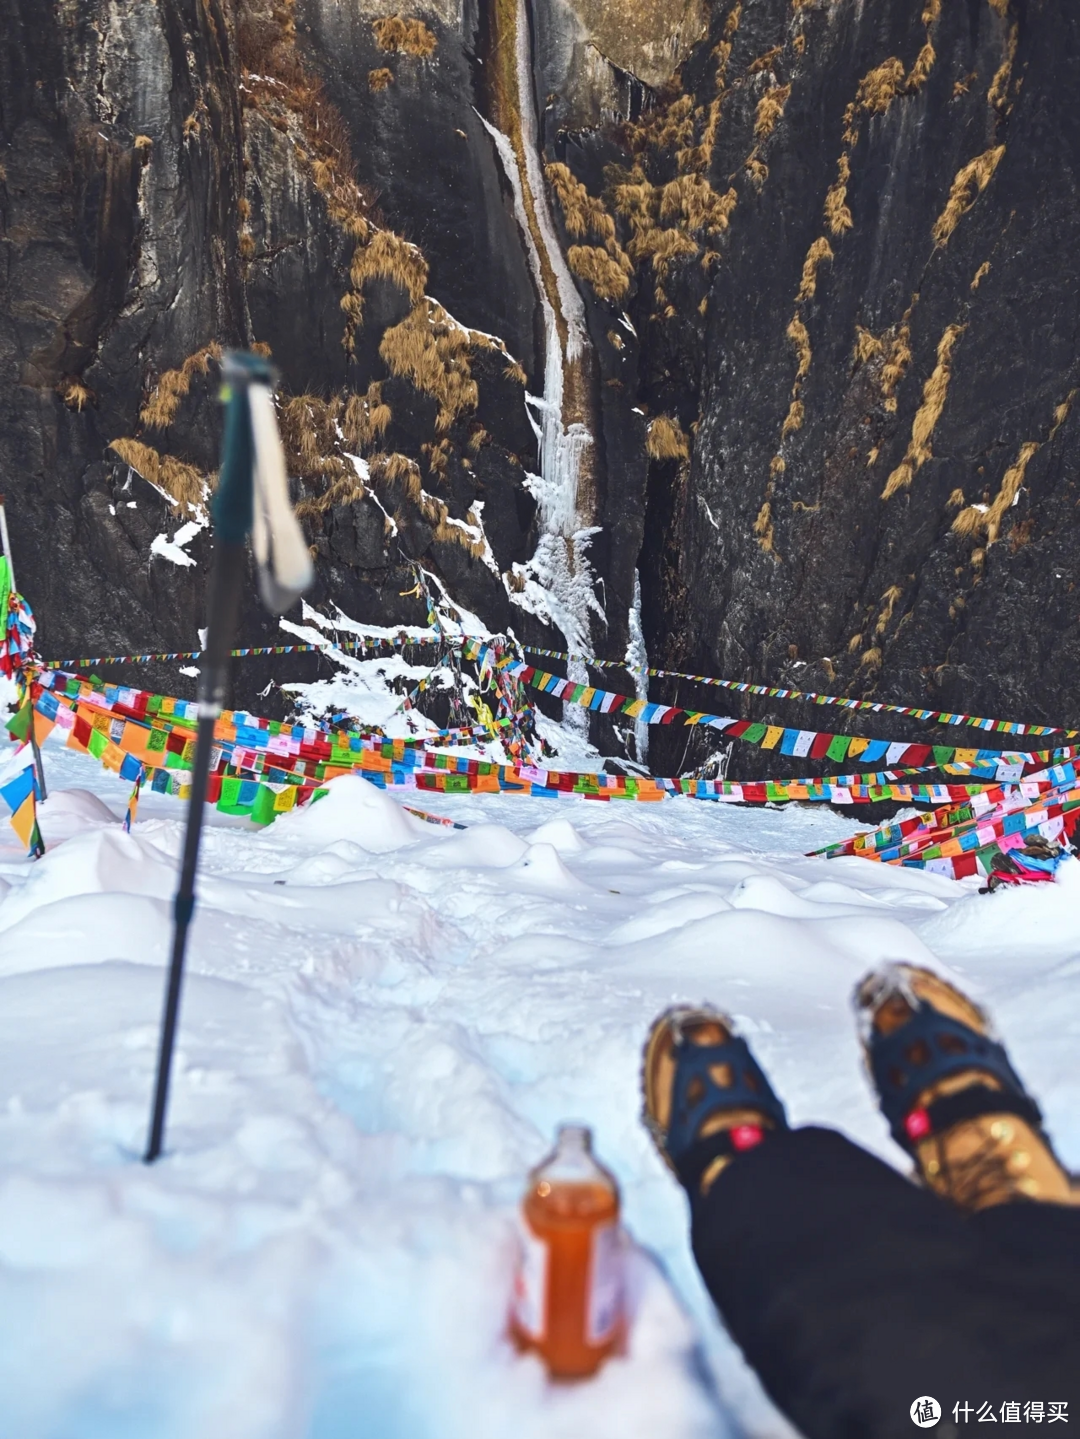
{"x": 35, "y": 748}
{"x": 252, "y": 494}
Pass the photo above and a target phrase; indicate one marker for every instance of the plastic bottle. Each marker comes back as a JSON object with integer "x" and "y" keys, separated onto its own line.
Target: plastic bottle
{"x": 568, "y": 1292}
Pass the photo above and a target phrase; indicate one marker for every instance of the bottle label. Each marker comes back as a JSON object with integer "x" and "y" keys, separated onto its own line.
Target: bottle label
{"x": 605, "y": 1284}
{"x": 530, "y": 1283}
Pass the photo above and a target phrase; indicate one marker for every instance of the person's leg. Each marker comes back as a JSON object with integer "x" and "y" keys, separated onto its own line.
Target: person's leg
{"x": 852, "y": 1292}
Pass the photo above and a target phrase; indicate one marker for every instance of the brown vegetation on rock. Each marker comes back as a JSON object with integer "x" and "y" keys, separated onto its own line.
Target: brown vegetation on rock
{"x": 182, "y": 483}
{"x": 818, "y": 253}
{"x": 769, "y": 110}
{"x": 405, "y": 37}
{"x": 161, "y": 406}
{"x": 665, "y": 439}
{"x": 970, "y": 181}
{"x": 433, "y": 350}
{"x": 837, "y": 214}
{"x": 799, "y": 336}
{"x": 609, "y": 279}
{"x": 926, "y": 417}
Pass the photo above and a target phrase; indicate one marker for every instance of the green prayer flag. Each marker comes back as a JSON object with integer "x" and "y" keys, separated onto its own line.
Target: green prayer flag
{"x": 5, "y": 592}
{"x": 838, "y": 747}
{"x": 262, "y": 811}
{"x": 18, "y": 726}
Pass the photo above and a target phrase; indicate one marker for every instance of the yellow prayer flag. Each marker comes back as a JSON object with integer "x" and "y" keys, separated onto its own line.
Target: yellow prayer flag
{"x": 773, "y": 736}
{"x": 23, "y": 820}
{"x": 43, "y": 727}
{"x": 112, "y": 756}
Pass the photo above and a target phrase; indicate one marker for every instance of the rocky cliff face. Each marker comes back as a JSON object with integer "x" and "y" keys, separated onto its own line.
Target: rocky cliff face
{"x": 770, "y": 306}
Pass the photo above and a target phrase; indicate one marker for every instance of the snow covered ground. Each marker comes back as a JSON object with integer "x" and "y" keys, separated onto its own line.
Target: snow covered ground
{"x": 383, "y": 1023}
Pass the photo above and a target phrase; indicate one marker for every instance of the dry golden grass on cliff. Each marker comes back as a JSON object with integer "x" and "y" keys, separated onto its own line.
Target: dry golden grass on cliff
{"x": 970, "y": 181}
{"x": 819, "y": 252}
{"x": 609, "y": 280}
{"x": 432, "y": 351}
{"x": 386, "y": 256}
{"x": 184, "y": 485}
{"x": 980, "y": 274}
{"x": 607, "y": 270}
{"x": 697, "y": 157}
{"x": 970, "y": 522}
{"x": 998, "y": 93}
{"x": 896, "y": 362}
{"x": 926, "y": 417}
{"x": 973, "y": 520}
{"x": 888, "y": 604}
{"x": 661, "y": 247}
{"x": 866, "y": 346}
{"x": 794, "y": 419}
{"x": 692, "y": 202}
{"x": 401, "y": 476}
{"x": 920, "y": 71}
{"x": 757, "y": 172}
{"x": 380, "y": 79}
{"x": 161, "y": 406}
{"x": 763, "y": 528}
{"x": 308, "y": 427}
{"x": 404, "y": 37}
{"x": 675, "y": 128}
{"x": 799, "y": 336}
{"x": 75, "y": 394}
{"x": 769, "y": 110}
{"x": 665, "y": 439}
{"x": 837, "y": 215}
{"x": 879, "y": 86}
{"x": 365, "y": 418}
{"x": 1061, "y": 413}
{"x": 583, "y": 214}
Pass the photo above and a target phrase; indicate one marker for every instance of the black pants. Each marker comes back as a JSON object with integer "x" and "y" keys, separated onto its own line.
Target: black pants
{"x": 852, "y": 1292}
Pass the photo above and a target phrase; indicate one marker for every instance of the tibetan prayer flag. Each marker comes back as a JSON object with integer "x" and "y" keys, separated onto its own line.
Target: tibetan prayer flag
{"x": 20, "y": 796}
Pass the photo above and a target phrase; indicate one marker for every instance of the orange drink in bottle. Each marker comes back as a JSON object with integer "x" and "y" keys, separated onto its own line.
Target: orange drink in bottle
{"x": 568, "y": 1291}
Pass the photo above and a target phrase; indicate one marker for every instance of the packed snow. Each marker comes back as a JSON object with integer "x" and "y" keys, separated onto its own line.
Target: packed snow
{"x": 383, "y": 1022}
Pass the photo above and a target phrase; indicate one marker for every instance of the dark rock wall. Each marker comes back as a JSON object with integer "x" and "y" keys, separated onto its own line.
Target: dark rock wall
{"x": 152, "y": 203}
{"x": 847, "y": 591}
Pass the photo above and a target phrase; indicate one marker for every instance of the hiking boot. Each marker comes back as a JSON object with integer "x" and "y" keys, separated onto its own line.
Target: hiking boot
{"x": 950, "y": 1095}
{"x": 706, "y": 1099}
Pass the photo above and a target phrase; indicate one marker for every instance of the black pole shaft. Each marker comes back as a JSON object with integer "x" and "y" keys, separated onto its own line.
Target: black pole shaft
{"x": 38, "y": 762}
{"x": 225, "y": 581}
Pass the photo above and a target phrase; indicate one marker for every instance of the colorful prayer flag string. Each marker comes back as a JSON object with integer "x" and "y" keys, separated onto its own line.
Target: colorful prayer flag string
{"x": 846, "y": 702}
